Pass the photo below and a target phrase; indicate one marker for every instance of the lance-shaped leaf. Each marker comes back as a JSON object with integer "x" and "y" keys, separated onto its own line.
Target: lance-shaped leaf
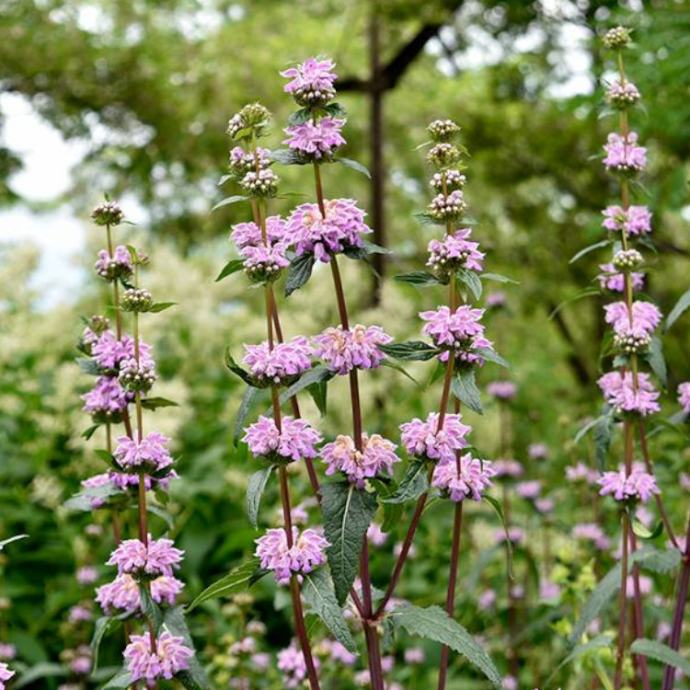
{"x": 414, "y": 483}
{"x": 471, "y": 280}
{"x": 287, "y": 157}
{"x": 236, "y": 580}
{"x": 255, "y": 489}
{"x": 354, "y": 165}
{"x": 655, "y": 650}
{"x": 410, "y": 351}
{"x": 299, "y": 272}
{"x": 656, "y": 360}
{"x": 347, "y": 513}
{"x": 248, "y": 399}
{"x": 419, "y": 278}
{"x": 150, "y": 608}
{"x": 433, "y": 623}
{"x": 121, "y": 679}
{"x": 491, "y": 355}
{"x": 44, "y": 669}
{"x": 314, "y": 375}
{"x": 155, "y": 403}
{"x": 603, "y": 429}
{"x": 230, "y": 268}
{"x": 317, "y": 591}
{"x": 103, "y": 626}
{"x": 465, "y": 389}
{"x": 89, "y": 366}
{"x": 84, "y": 499}
{"x": 588, "y": 249}
{"x": 498, "y": 278}
{"x": 16, "y": 537}
{"x": 194, "y": 677}
{"x": 230, "y": 200}
{"x": 158, "y": 307}
{"x": 236, "y": 369}
{"x": 680, "y": 307}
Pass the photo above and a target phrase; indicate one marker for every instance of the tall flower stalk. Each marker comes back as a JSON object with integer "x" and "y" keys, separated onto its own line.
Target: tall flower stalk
{"x": 145, "y": 589}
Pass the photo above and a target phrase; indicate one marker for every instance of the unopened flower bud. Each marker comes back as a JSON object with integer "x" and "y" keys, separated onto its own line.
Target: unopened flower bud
{"x": 137, "y": 377}
{"x": 252, "y": 120}
{"x": 617, "y": 38}
{"x": 136, "y": 300}
{"x": 442, "y": 155}
{"x": 443, "y": 130}
{"x": 627, "y": 259}
{"x": 448, "y": 180}
{"x": 107, "y": 213}
{"x": 622, "y": 95}
{"x": 263, "y": 183}
{"x": 632, "y": 344}
{"x": 447, "y": 207}
{"x": 98, "y": 324}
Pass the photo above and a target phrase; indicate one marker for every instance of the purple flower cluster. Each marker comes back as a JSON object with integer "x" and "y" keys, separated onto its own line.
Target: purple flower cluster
{"x": 311, "y": 82}
{"x": 638, "y": 485}
{"x": 150, "y": 454}
{"x": 158, "y": 557}
{"x": 455, "y": 251}
{"x": 109, "y": 353}
{"x": 114, "y": 267}
{"x": 624, "y": 397}
{"x": 376, "y": 458}
{"x": 458, "y": 330}
{"x": 623, "y": 155}
{"x": 122, "y": 594}
{"x": 635, "y": 221}
{"x": 632, "y": 328}
{"x": 470, "y": 480}
{"x": 502, "y": 390}
{"x": 107, "y": 400}
{"x": 357, "y": 348}
{"x": 684, "y": 396}
{"x": 5, "y": 674}
{"x": 423, "y": 438}
{"x": 148, "y": 662}
{"x": 316, "y": 139}
{"x": 292, "y": 665}
{"x": 308, "y": 551}
{"x": 590, "y": 531}
{"x": 249, "y": 234}
{"x": 282, "y": 363}
{"x": 296, "y": 439}
{"x": 340, "y": 228}
{"x": 622, "y": 94}
{"x": 613, "y": 280}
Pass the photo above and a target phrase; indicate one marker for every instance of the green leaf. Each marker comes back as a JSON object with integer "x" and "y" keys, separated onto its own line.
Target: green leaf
{"x": 414, "y": 483}
{"x": 299, "y": 272}
{"x": 318, "y": 594}
{"x": 230, "y": 268}
{"x": 347, "y": 513}
{"x": 122, "y": 679}
{"x": 465, "y": 389}
{"x": 88, "y": 433}
{"x": 41, "y": 670}
{"x": 319, "y": 394}
{"x": 409, "y": 351}
{"x": 603, "y": 430}
{"x": 299, "y": 117}
{"x": 655, "y": 358}
{"x": 335, "y": 110}
{"x": 420, "y": 278}
{"x": 590, "y": 248}
{"x": 160, "y": 306}
{"x": 162, "y": 514}
{"x": 433, "y": 623}
{"x": 660, "y": 652}
{"x": 255, "y": 489}
{"x": 287, "y": 157}
{"x": 155, "y": 403}
{"x": 599, "y": 642}
{"x": 103, "y": 626}
{"x": 236, "y": 580}
{"x": 230, "y": 200}
{"x": 492, "y": 356}
{"x": 250, "y": 395}
{"x": 643, "y": 532}
{"x": 498, "y": 508}
{"x": 194, "y": 678}
{"x": 587, "y": 292}
{"x": 150, "y": 608}
{"x": 89, "y": 366}
{"x": 398, "y": 367}
{"x": 319, "y": 373}
{"x": 354, "y": 165}
{"x": 16, "y": 537}
{"x": 498, "y": 278}
{"x": 471, "y": 280}
{"x": 680, "y": 307}
{"x": 82, "y": 500}
{"x": 236, "y": 369}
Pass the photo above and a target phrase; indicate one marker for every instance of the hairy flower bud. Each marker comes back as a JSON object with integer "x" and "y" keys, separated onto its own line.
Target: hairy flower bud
{"x": 443, "y": 130}
{"x": 137, "y": 376}
{"x": 448, "y": 180}
{"x": 136, "y": 300}
{"x": 621, "y": 95}
{"x": 447, "y": 207}
{"x": 627, "y": 259}
{"x": 617, "y": 38}
{"x": 252, "y": 120}
{"x": 107, "y": 213}
{"x": 263, "y": 183}
{"x": 442, "y": 155}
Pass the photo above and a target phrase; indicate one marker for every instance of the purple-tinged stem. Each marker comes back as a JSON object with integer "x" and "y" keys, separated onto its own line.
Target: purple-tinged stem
{"x": 679, "y": 611}
{"x": 620, "y": 651}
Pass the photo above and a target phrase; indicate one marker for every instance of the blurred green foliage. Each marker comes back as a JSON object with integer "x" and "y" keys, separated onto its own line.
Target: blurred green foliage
{"x": 150, "y": 86}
